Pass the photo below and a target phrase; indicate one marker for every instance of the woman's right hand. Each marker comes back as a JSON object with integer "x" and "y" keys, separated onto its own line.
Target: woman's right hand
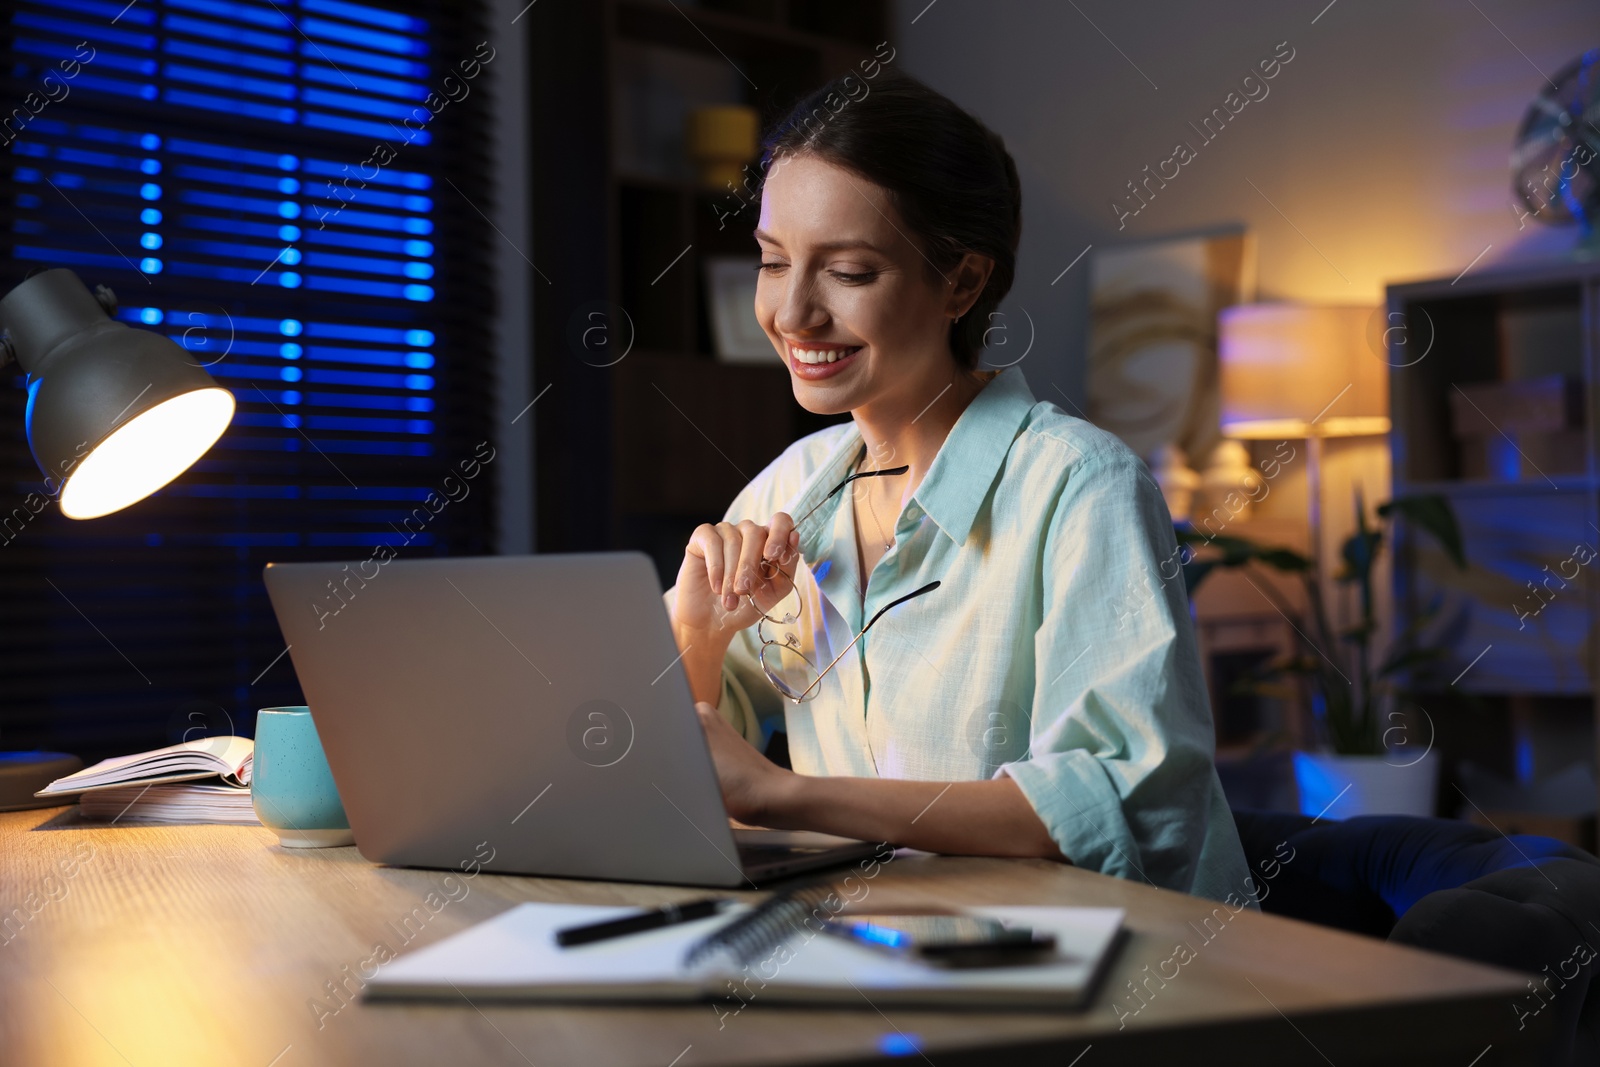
{"x": 722, "y": 563}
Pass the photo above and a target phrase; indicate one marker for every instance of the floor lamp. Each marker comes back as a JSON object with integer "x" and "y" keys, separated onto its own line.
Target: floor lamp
{"x": 114, "y": 414}
{"x": 1301, "y": 371}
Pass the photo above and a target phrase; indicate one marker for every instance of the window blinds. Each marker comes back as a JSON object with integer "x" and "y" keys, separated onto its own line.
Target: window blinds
{"x": 294, "y": 191}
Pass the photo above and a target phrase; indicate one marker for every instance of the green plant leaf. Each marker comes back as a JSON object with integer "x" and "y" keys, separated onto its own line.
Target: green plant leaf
{"x": 1235, "y": 552}
{"x": 1361, "y": 548}
{"x": 1399, "y": 660}
{"x": 1433, "y": 513}
{"x": 1284, "y": 559}
{"x": 1359, "y": 552}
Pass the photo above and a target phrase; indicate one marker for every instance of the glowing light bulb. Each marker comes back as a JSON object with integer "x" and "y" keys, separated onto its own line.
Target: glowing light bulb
{"x": 146, "y": 453}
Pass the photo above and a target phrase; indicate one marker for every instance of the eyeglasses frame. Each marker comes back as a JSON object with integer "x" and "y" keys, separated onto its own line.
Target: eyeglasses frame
{"x": 770, "y": 570}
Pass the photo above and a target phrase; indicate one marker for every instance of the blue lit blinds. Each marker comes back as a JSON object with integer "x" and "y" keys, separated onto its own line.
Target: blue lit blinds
{"x": 242, "y": 236}
{"x": 326, "y": 64}
{"x": 238, "y": 215}
{"x": 261, "y": 182}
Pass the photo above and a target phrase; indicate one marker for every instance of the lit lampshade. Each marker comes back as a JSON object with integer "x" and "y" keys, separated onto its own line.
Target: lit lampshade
{"x": 1300, "y": 370}
{"x": 114, "y": 413}
{"x": 722, "y": 140}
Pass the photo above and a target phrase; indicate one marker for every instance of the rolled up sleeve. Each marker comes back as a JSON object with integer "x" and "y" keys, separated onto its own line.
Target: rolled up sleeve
{"x": 1119, "y": 767}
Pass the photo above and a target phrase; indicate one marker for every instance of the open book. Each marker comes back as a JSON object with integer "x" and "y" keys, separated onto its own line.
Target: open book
{"x": 171, "y": 802}
{"x": 231, "y": 758}
{"x": 515, "y": 956}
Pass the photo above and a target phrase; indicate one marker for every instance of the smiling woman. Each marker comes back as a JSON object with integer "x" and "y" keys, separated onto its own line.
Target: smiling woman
{"x": 941, "y": 641}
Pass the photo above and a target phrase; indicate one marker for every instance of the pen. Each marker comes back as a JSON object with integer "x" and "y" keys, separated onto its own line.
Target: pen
{"x": 649, "y": 919}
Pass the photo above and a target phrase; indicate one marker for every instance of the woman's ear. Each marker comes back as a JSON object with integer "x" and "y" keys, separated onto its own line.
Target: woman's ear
{"x": 966, "y": 283}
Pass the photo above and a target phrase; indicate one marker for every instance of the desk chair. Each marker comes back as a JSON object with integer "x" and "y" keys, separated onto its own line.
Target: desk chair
{"x": 1522, "y": 902}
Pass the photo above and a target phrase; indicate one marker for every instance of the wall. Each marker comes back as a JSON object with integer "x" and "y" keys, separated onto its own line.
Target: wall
{"x": 511, "y": 267}
{"x": 1380, "y": 152}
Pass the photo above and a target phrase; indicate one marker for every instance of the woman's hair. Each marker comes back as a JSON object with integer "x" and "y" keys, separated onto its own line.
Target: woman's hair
{"x": 949, "y": 175}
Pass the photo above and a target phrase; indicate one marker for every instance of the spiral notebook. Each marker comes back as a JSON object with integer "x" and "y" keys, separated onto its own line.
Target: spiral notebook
{"x": 514, "y": 956}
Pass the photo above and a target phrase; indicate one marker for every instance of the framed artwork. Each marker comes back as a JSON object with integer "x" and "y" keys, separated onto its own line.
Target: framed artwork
{"x": 1153, "y": 337}
{"x": 731, "y": 292}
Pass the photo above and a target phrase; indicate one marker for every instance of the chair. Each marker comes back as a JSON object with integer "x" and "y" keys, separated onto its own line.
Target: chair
{"x": 1522, "y": 902}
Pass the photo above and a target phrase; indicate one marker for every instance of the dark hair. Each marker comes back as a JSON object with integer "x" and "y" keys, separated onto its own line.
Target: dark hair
{"x": 949, "y": 175}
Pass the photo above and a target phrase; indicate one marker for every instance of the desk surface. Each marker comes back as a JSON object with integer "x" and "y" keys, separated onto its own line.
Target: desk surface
{"x": 212, "y": 945}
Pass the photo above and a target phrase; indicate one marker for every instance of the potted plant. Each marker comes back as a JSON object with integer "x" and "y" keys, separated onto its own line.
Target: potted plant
{"x": 1369, "y": 760}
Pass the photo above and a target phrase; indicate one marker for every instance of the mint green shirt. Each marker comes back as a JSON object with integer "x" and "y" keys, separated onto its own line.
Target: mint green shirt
{"x": 1053, "y": 651}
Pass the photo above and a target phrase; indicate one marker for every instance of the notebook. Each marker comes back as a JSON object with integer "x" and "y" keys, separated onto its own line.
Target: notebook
{"x": 231, "y": 758}
{"x": 514, "y": 957}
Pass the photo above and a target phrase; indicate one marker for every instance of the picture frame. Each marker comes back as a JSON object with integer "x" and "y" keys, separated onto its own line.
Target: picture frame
{"x": 1153, "y": 375}
{"x": 736, "y": 335}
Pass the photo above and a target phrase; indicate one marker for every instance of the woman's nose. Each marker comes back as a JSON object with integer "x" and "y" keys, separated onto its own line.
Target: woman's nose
{"x": 799, "y": 310}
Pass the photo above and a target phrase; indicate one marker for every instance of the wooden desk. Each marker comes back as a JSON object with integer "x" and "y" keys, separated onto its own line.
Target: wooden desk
{"x": 210, "y": 945}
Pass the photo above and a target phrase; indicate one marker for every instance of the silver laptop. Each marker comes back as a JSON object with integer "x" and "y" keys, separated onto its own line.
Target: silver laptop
{"x": 524, "y": 714}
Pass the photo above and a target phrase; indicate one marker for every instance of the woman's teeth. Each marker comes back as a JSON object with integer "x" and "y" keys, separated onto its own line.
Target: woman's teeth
{"x": 823, "y": 355}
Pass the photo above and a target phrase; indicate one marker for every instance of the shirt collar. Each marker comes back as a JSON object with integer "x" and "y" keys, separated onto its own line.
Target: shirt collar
{"x": 816, "y": 532}
{"x": 968, "y": 462}
{"x": 957, "y": 483}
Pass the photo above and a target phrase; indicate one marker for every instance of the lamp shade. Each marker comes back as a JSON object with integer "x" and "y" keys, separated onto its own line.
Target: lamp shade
{"x": 1300, "y": 370}
{"x": 721, "y": 140}
{"x": 114, "y": 413}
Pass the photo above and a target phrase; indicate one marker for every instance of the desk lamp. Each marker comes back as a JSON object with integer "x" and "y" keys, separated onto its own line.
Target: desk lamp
{"x": 114, "y": 414}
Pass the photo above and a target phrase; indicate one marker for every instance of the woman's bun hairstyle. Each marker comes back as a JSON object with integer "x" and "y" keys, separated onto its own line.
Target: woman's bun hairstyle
{"x": 948, "y": 174}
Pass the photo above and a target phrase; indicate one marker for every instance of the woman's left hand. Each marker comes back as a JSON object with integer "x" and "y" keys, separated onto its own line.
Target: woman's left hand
{"x": 750, "y": 781}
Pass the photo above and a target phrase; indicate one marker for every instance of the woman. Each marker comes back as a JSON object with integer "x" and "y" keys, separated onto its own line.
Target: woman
{"x": 1035, "y": 689}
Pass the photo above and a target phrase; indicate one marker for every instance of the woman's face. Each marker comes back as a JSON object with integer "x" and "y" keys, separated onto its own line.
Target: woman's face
{"x": 854, "y": 310}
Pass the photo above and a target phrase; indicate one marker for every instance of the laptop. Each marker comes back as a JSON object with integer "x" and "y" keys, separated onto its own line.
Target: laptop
{"x": 522, "y": 715}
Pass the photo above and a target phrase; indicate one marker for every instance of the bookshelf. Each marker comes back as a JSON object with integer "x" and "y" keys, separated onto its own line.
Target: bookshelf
{"x": 644, "y": 433}
{"x": 1495, "y": 395}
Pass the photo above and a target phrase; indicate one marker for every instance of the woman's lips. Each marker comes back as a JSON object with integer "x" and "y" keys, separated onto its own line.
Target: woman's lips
{"x": 816, "y": 371}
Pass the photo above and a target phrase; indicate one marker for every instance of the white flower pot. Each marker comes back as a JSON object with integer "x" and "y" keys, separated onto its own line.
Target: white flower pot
{"x": 1338, "y": 787}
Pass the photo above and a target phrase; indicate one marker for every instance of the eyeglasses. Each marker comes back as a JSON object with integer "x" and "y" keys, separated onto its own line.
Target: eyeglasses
{"x": 785, "y": 664}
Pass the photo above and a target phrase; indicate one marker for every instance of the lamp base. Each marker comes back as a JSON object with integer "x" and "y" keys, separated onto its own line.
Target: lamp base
{"x": 24, "y": 773}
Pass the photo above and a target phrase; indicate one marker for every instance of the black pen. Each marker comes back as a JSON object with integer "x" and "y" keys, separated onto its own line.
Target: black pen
{"x": 650, "y": 919}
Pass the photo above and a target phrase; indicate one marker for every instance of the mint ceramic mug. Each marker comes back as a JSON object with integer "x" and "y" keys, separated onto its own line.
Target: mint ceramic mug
{"x": 291, "y": 786}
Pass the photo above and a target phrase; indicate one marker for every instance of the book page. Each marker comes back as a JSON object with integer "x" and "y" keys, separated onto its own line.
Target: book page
{"x": 231, "y": 757}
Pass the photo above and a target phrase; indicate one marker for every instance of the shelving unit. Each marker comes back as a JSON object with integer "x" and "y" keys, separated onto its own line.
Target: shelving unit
{"x": 644, "y": 433}
{"x": 1519, "y": 673}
